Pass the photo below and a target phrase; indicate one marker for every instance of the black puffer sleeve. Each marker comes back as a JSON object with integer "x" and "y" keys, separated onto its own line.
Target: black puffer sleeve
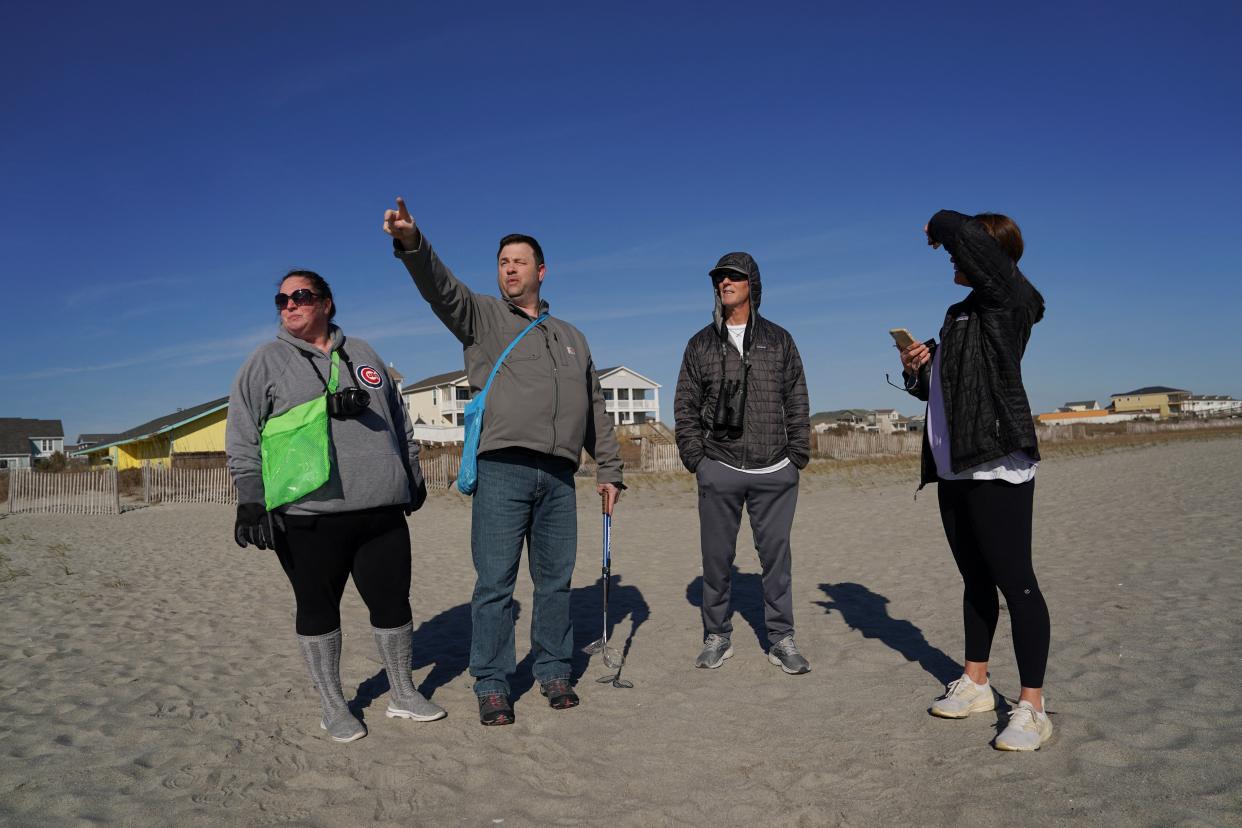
{"x": 686, "y": 405}
{"x": 979, "y": 257}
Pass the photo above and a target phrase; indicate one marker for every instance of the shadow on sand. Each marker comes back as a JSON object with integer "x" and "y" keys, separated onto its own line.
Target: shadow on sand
{"x": 745, "y": 598}
{"x": 866, "y": 611}
{"x": 444, "y": 640}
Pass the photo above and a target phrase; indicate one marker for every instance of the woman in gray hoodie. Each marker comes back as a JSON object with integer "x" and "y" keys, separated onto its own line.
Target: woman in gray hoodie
{"x": 354, "y": 522}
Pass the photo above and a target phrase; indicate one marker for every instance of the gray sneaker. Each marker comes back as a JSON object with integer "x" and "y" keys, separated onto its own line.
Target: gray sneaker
{"x": 785, "y": 655}
{"x": 716, "y": 648}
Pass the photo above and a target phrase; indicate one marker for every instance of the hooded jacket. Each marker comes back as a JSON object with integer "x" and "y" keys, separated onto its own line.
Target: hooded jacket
{"x": 982, "y": 342}
{"x": 546, "y": 397}
{"x": 775, "y": 422}
{"x": 370, "y": 452}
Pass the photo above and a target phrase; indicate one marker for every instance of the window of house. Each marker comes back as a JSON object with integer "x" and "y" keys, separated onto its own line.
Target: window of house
{"x": 642, "y": 417}
{"x": 638, "y": 394}
{"x": 623, "y": 393}
{"x": 463, "y": 394}
{"x": 608, "y": 394}
{"x": 435, "y": 396}
{"x": 461, "y": 419}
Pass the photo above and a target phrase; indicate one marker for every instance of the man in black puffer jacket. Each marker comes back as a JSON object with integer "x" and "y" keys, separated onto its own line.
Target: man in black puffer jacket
{"x": 743, "y": 428}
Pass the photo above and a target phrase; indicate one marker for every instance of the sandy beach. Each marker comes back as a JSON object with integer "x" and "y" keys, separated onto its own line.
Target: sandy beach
{"x": 149, "y": 673}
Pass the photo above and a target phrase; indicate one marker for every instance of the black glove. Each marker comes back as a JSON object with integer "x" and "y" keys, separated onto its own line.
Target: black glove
{"x": 252, "y": 526}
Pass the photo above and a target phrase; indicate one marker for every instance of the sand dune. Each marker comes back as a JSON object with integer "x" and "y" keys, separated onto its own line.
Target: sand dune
{"x": 149, "y": 673}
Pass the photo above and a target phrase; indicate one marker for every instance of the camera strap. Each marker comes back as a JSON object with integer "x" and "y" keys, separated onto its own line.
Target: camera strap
{"x": 334, "y": 377}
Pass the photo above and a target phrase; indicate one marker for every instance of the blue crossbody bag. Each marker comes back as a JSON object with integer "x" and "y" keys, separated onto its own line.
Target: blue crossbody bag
{"x": 468, "y": 474}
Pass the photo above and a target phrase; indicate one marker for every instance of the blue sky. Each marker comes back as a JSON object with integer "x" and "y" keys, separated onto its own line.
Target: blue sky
{"x": 162, "y": 165}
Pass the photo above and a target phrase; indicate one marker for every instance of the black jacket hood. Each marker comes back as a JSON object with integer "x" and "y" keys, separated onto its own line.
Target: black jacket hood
{"x": 742, "y": 263}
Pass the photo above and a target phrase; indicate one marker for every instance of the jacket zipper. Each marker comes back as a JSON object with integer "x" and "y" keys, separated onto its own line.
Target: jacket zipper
{"x": 556, "y": 387}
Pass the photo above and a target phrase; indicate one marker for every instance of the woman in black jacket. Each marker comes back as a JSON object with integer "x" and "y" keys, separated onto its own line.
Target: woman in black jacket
{"x": 980, "y": 448}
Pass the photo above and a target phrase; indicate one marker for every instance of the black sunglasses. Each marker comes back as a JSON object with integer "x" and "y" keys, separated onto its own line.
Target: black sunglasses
{"x": 301, "y": 298}
{"x": 731, "y": 275}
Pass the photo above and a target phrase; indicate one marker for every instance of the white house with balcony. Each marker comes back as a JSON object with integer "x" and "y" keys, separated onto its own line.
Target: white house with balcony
{"x": 437, "y": 407}
{"x": 629, "y": 397}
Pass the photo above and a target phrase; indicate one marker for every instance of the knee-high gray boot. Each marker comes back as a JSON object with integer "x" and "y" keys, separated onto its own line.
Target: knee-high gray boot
{"x": 323, "y": 660}
{"x": 404, "y": 701}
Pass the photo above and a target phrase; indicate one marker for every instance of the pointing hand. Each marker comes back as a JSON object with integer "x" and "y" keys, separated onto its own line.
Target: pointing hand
{"x": 400, "y": 225}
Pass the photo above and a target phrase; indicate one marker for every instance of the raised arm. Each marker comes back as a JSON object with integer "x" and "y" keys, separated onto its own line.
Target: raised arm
{"x": 452, "y": 302}
{"x": 978, "y": 256}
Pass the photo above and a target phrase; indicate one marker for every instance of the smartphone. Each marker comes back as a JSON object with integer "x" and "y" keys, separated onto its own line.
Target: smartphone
{"x": 902, "y": 337}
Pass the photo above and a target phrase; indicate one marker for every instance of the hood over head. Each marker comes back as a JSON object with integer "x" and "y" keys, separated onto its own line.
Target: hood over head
{"x": 742, "y": 263}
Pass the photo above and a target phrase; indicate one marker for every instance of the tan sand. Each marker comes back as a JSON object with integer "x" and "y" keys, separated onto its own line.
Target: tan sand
{"x": 149, "y": 673}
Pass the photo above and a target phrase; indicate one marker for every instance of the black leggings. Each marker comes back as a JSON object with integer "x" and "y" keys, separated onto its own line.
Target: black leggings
{"x": 988, "y": 524}
{"x": 320, "y": 552}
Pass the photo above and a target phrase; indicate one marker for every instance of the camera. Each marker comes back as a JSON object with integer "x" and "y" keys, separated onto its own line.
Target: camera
{"x": 348, "y": 402}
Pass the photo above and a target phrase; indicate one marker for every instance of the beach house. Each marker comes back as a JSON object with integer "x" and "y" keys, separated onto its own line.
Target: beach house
{"x": 188, "y": 433}
{"x": 1159, "y": 400}
{"x": 23, "y": 441}
{"x": 629, "y": 397}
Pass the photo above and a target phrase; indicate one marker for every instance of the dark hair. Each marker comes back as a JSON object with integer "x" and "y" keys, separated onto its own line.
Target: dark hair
{"x": 1005, "y": 231}
{"x": 520, "y": 238}
{"x": 319, "y": 285}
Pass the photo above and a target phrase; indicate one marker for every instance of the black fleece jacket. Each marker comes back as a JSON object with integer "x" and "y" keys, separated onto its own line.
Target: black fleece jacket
{"x": 985, "y": 403}
{"x": 776, "y": 422}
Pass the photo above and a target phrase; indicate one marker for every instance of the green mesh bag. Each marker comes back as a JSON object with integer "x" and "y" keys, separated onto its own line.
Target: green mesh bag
{"x": 294, "y": 448}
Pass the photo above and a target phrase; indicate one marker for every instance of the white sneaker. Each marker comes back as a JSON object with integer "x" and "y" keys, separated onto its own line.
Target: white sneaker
{"x": 1027, "y": 729}
{"x": 963, "y": 697}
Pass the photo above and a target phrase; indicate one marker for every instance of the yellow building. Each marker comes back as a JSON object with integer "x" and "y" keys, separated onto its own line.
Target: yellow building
{"x": 1152, "y": 398}
{"x": 196, "y": 431}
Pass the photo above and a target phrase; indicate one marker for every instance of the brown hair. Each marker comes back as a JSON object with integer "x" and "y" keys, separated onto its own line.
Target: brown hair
{"x": 1005, "y": 231}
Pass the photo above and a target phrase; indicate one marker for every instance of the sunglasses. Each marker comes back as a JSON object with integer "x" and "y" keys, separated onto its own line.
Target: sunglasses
{"x": 301, "y": 298}
{"x": 730, "y": 275}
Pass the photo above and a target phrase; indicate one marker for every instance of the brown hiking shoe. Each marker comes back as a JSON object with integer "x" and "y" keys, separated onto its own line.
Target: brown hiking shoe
{"x": 560, "y": 694}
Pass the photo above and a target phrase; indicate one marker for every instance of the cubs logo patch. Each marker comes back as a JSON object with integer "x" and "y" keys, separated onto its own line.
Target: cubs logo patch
{"x": 369, "y": 377}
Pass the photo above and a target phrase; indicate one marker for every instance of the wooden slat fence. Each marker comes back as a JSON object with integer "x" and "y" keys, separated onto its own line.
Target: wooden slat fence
{"x": 440, "y": 471}
{"x": 82, "y": 493}
{"x": 658, "y": 457}
{"x": 161, "y": 484}
{"x": 855, "y": 444}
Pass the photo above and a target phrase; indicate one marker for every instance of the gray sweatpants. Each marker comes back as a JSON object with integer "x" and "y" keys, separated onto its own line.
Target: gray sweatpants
{"x": 770, "y": 500}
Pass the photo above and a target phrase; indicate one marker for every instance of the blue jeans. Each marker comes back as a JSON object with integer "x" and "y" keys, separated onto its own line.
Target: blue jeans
{"x": 523, "y": 496}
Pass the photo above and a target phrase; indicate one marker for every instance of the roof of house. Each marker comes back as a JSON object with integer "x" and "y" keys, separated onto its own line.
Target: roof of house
{"x": 97, "y": 438}
{"x": 396, "y": 375}
{"x": 450, "y": 378}
{"x": 1074, "y": 415}
{"x": 603, "y": 372}
{"x": 162, "y": 424}
{"x": 16, "y": 433}
{"x": 1152, "y": 389}
{"x": 1081, "y": 402}
{"x": 839, "y": 414}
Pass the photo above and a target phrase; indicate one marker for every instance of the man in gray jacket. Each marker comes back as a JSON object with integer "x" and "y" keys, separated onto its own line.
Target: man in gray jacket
{"x": 544, "y": 407}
